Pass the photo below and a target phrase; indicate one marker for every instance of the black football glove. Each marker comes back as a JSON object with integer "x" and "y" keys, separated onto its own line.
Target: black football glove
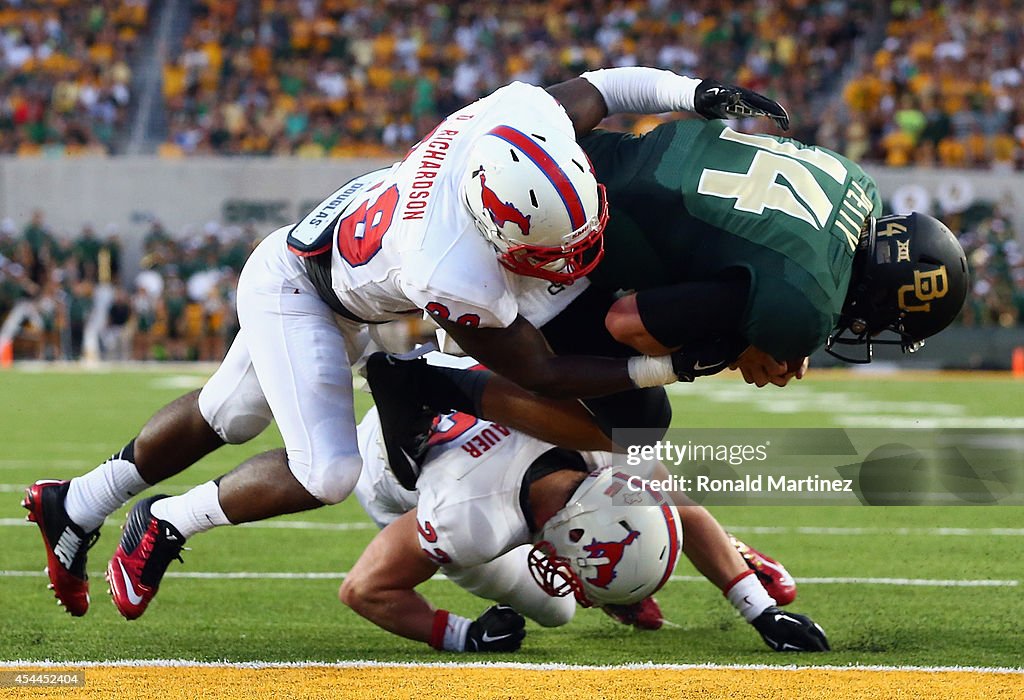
{"x": 706, "y": 358}
{"x": 786, "y": 631}
{"x": 713, "y": 100}
{"x": 500, "y": 628}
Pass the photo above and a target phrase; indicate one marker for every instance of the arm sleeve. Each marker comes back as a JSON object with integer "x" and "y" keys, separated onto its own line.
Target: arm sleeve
{"x": 638, "y": 90}
{"x": 692, "y": 311}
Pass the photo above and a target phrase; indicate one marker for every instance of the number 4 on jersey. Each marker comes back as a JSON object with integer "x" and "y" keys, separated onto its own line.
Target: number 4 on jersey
{"x": 799, "y": 195}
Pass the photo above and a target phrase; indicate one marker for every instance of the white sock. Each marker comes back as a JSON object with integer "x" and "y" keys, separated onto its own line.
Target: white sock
{"x": 194, "y": 511}
{"x": 97, "y": 494}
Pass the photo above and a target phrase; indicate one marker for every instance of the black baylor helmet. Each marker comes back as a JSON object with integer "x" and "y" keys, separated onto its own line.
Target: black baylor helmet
{"x": 909, "y": 277}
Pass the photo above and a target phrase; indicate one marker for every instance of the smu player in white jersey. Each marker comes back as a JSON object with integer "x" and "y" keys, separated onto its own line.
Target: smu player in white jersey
{"x": 395, "y": 242}
{"x": 487, "y": 493}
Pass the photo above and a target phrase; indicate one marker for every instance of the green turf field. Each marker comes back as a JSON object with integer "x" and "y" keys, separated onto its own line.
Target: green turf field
{"x": 281, "y": 605}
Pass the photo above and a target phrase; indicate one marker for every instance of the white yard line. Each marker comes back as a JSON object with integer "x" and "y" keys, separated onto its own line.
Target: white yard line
{"x": 185, "y": 663}
{"x": 735, "y": 529}
{"x": 339, "y": 575}
{"x": 262, "y": 525}
{"x": 884, "y": 531}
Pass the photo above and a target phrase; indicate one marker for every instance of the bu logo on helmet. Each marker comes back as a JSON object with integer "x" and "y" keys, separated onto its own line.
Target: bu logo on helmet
{"x": 502, "y": 212}
{"x": 610, "y": 551}
{"x": 927, "y": 286}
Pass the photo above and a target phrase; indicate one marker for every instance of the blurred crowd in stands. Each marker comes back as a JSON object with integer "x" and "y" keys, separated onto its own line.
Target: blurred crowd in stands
{"x": 350, "y": 78}
{"x": 65, "y": 297}
{"x": 926, "y": 83}
{"x": 996, "y": 260}
{"x": 944, "y": 89}
{"x": 341, "y": 78}
{"x": 65, "y": 74}
{"x": 904, "y": 82}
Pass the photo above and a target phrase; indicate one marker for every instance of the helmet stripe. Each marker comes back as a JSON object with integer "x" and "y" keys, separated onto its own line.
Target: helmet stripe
{"x": 673, "y": 543}
{"x": 551, "y": 169}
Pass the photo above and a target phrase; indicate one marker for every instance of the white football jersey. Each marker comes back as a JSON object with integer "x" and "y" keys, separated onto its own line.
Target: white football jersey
{"x": 407, "y": 242}
{"x": 467, "y": 495}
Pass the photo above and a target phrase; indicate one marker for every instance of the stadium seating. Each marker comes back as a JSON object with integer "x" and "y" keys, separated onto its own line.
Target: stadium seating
{"x": 339, "y": 79}
{"x": 942, "y": 90}
{"x": 65, "y": 74}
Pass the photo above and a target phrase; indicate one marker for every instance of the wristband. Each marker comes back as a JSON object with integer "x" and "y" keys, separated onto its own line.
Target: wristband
{"x": 748, "y": 596}
{"x": 646, "y": 371}
{"x": 449, "y": 631}
{"x": 437, "y": 631}
{"x": 639, "y": 90}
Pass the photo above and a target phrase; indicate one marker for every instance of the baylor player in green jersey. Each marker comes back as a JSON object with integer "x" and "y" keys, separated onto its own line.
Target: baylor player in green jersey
{"x": 743, "y": 250}
{"x": 694, "y": 200}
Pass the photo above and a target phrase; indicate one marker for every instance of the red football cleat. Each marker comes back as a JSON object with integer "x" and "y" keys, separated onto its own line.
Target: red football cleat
{"x": 645, "y": 615}
{"x": 772, "y": 575}
{"x": 67, "y": 545}
{"x": 146, "y": 549}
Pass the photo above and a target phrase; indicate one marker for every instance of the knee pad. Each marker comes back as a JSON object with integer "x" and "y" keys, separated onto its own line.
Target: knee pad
{"x": 330, "y": 481}
{"x": 236, "y": 420}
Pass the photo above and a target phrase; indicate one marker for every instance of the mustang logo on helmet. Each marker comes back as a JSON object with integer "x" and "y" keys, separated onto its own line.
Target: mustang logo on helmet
{"x": 502, "y": 212}
{"x": 611, "y": 552}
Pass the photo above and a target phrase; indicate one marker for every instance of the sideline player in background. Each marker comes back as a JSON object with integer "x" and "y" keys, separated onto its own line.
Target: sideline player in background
{"x": 743, "y": 250}
{"x": 501, "y": 185}
{"x": 487, "y": 493}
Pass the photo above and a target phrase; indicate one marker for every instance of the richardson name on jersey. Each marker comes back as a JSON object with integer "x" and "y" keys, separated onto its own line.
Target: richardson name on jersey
{"x": 434, "y": 150}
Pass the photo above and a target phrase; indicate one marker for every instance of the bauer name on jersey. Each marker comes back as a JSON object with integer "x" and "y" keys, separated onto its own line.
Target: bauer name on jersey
{"x": 402, "y": 240}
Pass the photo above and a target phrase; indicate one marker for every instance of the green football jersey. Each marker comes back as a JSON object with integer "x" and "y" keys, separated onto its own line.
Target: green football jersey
{"x": 694, "y": 201}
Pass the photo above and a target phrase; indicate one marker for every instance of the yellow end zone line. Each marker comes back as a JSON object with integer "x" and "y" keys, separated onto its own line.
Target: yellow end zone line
{"x": 525, "y": 666}
{"x": 473, "y": 681}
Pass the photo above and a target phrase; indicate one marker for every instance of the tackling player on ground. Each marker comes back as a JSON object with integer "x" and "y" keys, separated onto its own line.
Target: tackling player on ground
{"x": 487, "y": 493}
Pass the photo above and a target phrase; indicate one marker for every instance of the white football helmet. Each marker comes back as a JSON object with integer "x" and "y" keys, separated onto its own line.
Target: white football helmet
{"x": 611, "y": 544}
{"x": 535, "y": 198}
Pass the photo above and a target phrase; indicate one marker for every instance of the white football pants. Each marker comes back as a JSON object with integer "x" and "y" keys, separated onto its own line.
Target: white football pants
{"x": 289, "y": 362}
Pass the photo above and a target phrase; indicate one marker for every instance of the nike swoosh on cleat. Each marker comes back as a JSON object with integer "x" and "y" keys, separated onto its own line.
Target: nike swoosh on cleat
{"x": 133, "y": 597}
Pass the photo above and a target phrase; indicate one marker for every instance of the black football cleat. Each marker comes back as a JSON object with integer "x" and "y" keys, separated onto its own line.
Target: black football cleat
{"x": 405, "y": 420}
{"x": 67, "y": 545}
{"x": 146, "y": 549}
